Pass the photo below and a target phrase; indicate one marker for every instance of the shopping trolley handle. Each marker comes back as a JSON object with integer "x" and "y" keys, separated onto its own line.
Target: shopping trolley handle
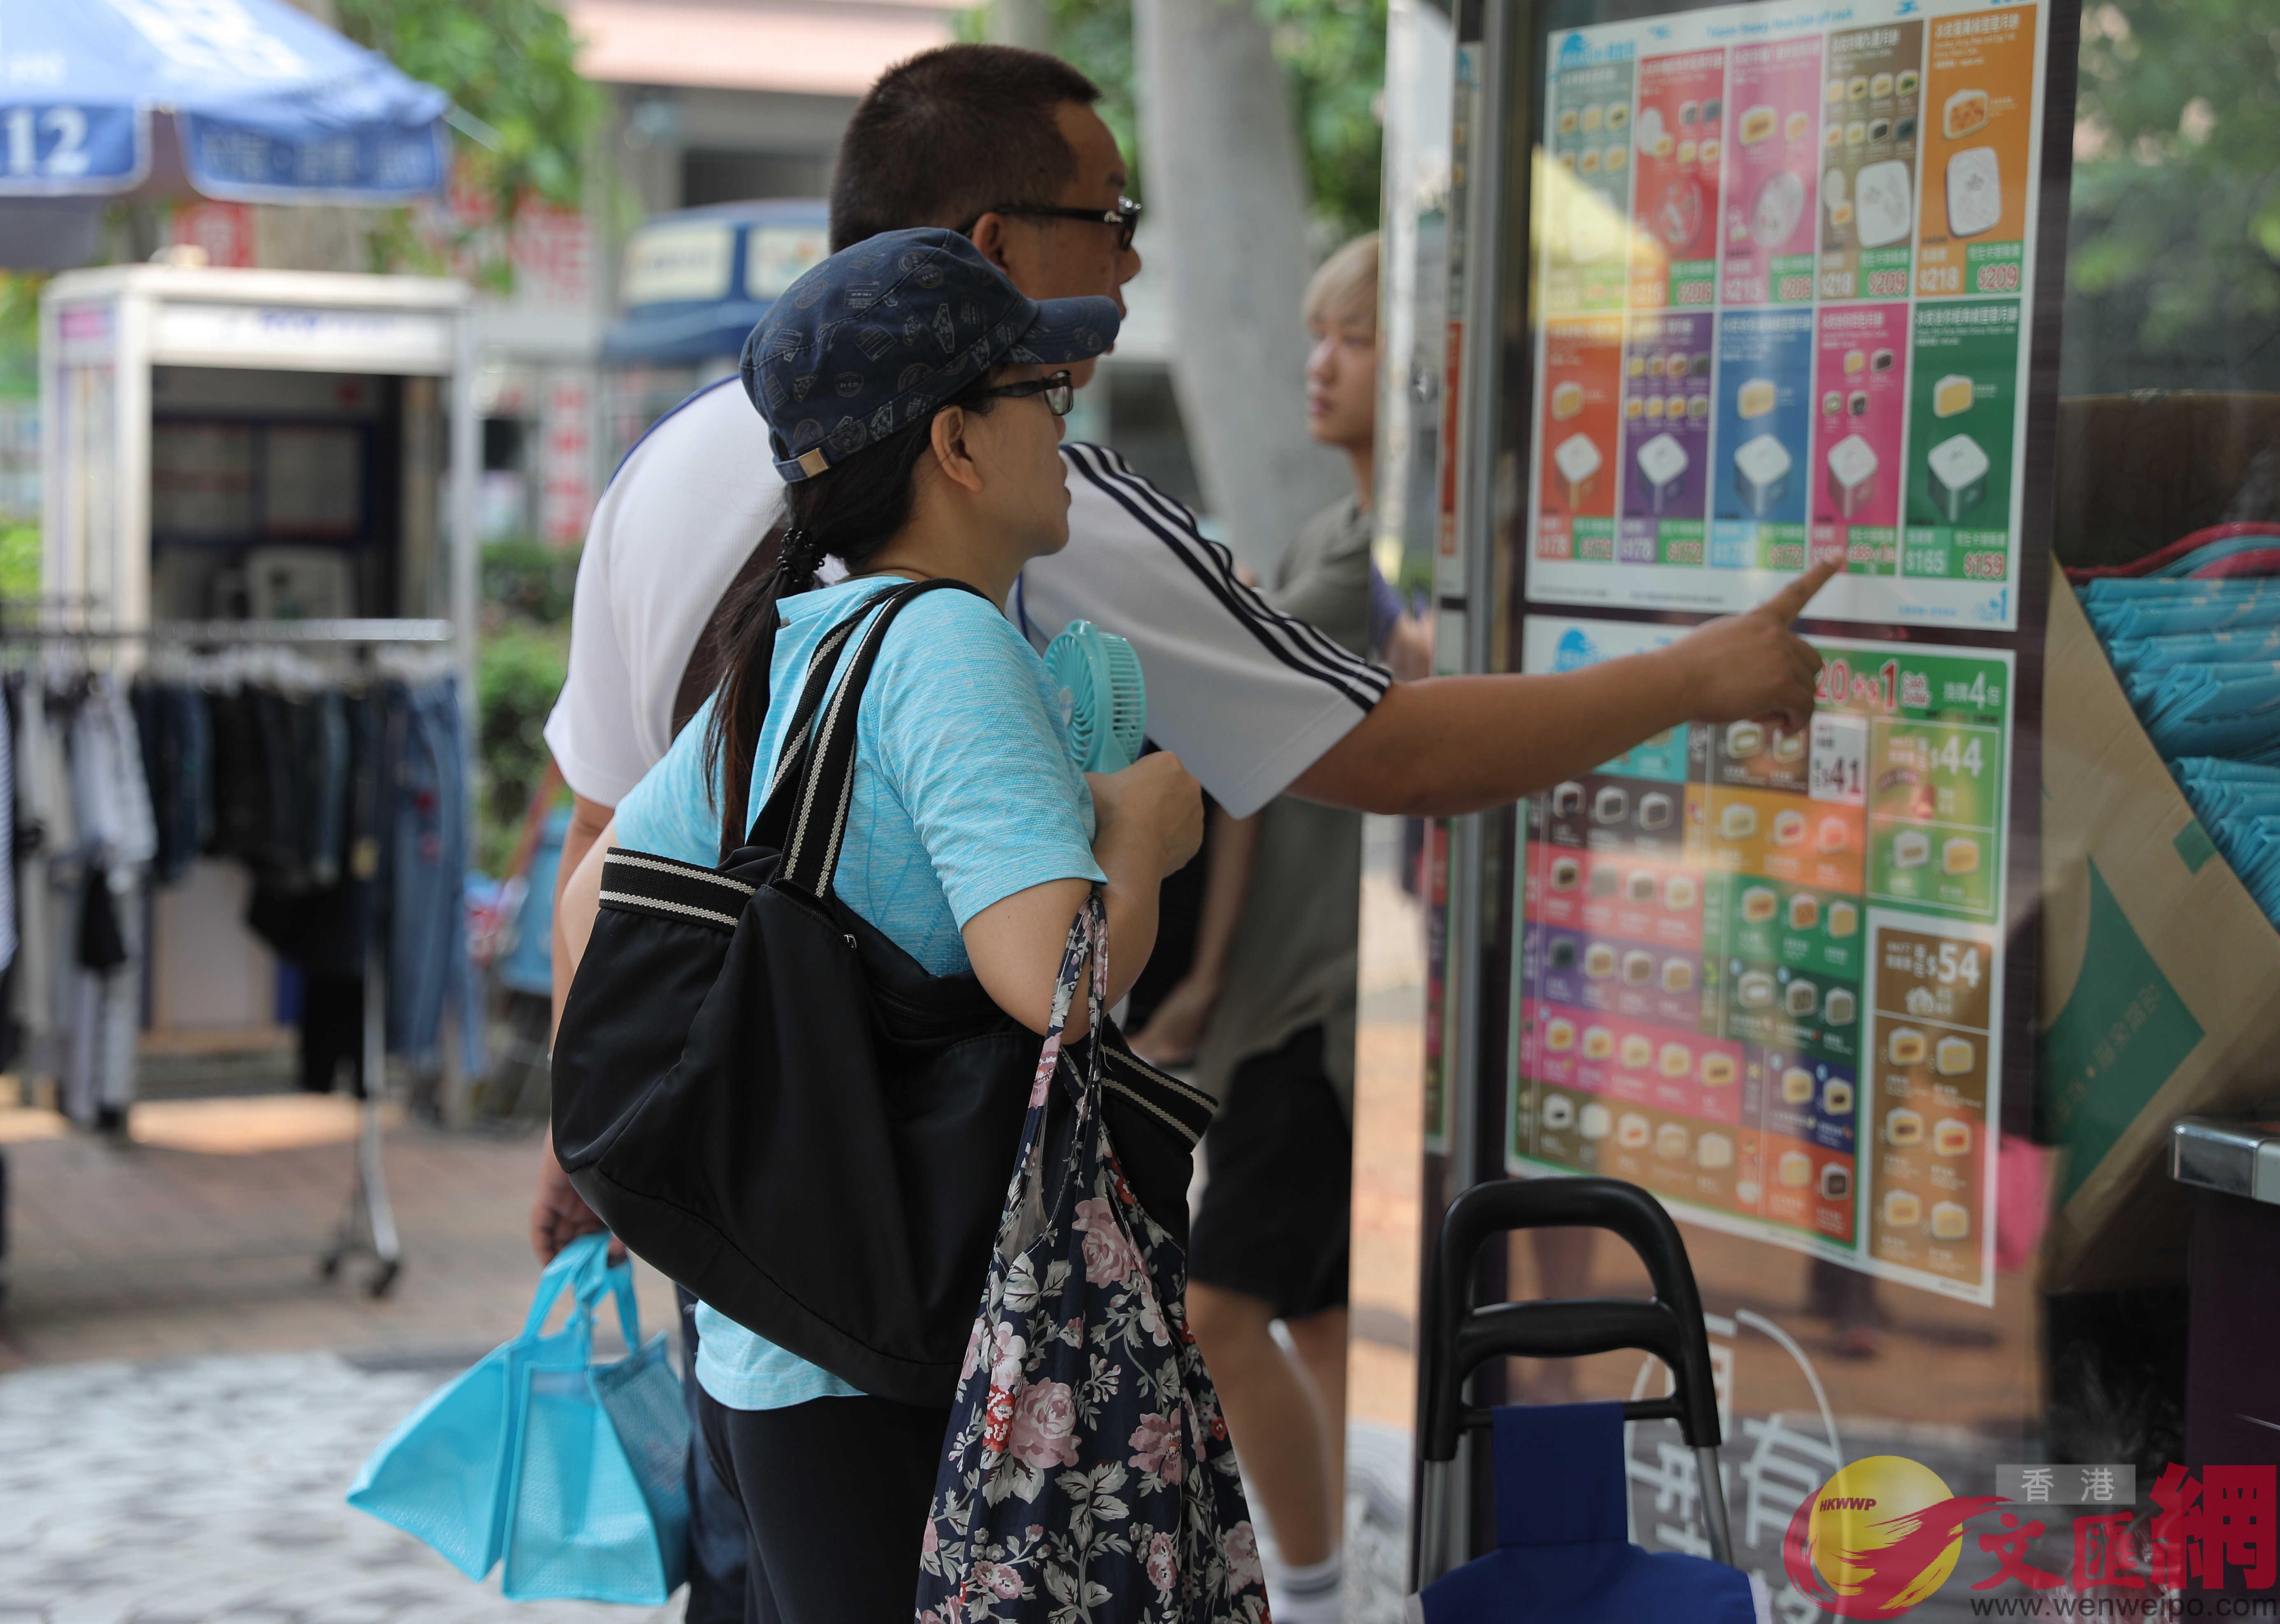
{"x": 1459, "y": 1337}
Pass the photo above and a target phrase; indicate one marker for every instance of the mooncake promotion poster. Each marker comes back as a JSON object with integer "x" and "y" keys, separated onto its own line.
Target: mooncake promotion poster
{"x": 1760, "y": 969}
{"x": 1860, "y": 168}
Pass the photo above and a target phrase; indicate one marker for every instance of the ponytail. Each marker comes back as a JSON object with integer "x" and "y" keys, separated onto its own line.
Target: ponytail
{"x": 850, "y": 512}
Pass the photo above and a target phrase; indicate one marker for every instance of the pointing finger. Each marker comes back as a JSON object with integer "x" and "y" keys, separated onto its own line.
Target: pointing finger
{"x": 1786, "y": 604}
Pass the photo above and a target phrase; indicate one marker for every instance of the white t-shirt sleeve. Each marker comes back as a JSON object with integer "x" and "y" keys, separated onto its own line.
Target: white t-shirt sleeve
{"x": 679, "y": 519}
{"x": 1248, "y": 697}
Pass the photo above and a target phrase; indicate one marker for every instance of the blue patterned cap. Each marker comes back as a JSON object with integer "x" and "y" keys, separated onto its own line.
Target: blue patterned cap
{"x": 879, "y": 335}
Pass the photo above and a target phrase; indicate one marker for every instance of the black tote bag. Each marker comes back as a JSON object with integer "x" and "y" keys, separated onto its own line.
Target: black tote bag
{"x": 776, "y": 1106}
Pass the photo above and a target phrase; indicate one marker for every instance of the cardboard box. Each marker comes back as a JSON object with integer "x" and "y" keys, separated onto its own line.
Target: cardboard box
{"x": 2161, "y": 993}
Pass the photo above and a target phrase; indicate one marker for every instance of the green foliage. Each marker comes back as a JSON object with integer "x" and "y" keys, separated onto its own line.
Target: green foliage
{"x": 529, "y": 578}
{"x": 512, "y": 65}
{"x": 19, "y": 561}
{"x": 2176, "y": 209}
{"x": 518, "y": 670}
{"x": 1332, "y": 58}
{"x": 19, "y": 331}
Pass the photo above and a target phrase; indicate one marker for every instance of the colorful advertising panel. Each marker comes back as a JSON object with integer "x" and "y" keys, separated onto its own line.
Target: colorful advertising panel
{"x": 1760, "y": 969}
{"x": 1860, "y": 179}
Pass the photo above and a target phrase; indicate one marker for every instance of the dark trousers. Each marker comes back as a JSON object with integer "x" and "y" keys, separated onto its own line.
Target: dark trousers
{"x": 716, "y": 1527}
{"x": 835, "y": 1494}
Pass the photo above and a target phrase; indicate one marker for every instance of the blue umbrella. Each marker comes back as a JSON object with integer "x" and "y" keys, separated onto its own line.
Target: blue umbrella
{"x": 248, "y": 101}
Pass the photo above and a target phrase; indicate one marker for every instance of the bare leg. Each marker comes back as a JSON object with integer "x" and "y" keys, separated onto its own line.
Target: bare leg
{"x": 1274, "y": 1417}
{"x": 1320, "y": 1340}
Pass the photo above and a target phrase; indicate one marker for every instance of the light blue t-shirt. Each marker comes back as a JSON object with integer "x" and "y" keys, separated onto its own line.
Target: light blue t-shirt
{"x": 964, "y": 795}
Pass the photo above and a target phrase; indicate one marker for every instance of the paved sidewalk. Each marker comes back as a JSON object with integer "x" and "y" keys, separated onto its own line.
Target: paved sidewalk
{"x": 209, "y": 1491}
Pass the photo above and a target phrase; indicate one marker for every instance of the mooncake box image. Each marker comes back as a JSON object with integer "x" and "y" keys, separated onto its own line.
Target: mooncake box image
{"x": 1796, "y": 1086}
{"x": 1844, "y": 918}
{"x": 1637, "y": 1054}
{"x": 1656, "y": 810}
{"x": 1794, "y": 1169}
{"x": 1606, "y": 879}
{"x": 1836, "y": 1181}
{"x": 1975, "y": 192}
{"x": 1754, "y": 399}
{"x": 1713, "y": 1152}
{"x": 1720, "y": 1071}
{"x": 1903, "y": 1209}
{"x": 1959, "y": 854}
{"x": 1955, "y": 475}
{"x": 1950, "y": 1222}
{"x": 1672, "y": 1143}
{"x": 1903, "y": 1127}
{"x": 1677, "y": 1059}
{"x": 1577, "y": 458}
{"x": 1950, "y": 1137}
{"x": 1599, "y": 961}
{"x": 1832, "y": 836}
{"x": 1632, "y": 1132}
{"x": 1680, "y": 893}
{"x": 1761, "y": 471}
{"x": 1906, "y": 1046}
{"x": 1737, "y": 821}
{"x": 1596, "y": 1121}
{"x": 1559, "y": 1112}
{"x": 1567, "y": 401}
{"x": 1758, "y": 124}
{"x": 1745, "y": 740}
{"x": 1567, "y": 800}
{"x": 1953, "y": 1056}
{"x": 1804, "y": 911}
{"x": 1612, "y": 804}
{"x": 1755, "y": 990}
{"x": 1963, "y": 112}
{"x": 1836, "y": 1097}
{"x": 1788, "y": 828}
{"x": 1836, "y": 1008}
{"x": 1599, "y": 1042}
{"x": 1787, "y": 746}
{"x": 1560, "y": 1036}
{"x": 1566, "y": 874}
{"x": 1639, "y": 885}
{"x": 1759, "y": 903}
{"x": 1800, "y": 998}
{"x": 1677, "y": 975}
{"x": 1563, "y": 953}
{"x": 1911, "y": 848}
{"x": 1638, "y": 967}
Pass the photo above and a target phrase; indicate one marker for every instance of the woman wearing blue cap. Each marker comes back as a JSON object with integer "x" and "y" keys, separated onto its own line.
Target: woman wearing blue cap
{"x": 913, "y": 398}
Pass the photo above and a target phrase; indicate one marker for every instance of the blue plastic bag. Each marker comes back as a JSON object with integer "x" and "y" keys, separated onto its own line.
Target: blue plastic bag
{"x": 568, "y": 1470}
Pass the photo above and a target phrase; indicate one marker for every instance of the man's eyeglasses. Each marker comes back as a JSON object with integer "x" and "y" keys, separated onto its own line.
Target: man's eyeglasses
{"x": 1125, "y": 217}
{"x": 1059, "y": 389}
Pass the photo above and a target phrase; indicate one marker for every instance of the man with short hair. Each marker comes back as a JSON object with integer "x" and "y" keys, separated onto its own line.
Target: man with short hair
{"x": 1005, "y": 146}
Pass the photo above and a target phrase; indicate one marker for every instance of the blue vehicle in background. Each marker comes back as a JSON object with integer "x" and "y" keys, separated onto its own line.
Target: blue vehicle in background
{"x": 695, "y": 282}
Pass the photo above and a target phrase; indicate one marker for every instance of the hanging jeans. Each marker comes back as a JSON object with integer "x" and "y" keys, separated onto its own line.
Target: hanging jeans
{"x": 429, "y": 970}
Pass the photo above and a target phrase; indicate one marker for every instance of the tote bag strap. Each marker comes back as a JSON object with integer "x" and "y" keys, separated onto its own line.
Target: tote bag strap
{"x": 806, "y": 812}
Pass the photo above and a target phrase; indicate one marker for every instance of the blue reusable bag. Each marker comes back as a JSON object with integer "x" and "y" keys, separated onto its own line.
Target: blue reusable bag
{"x": 568, "y": 1471}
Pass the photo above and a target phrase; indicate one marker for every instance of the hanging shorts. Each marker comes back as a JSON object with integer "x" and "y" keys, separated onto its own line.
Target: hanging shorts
{"x": 1275, "y": 1219}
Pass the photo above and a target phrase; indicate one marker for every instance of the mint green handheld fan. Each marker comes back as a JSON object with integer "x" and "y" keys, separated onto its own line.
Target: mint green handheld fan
{"x": 1104, "y": 699}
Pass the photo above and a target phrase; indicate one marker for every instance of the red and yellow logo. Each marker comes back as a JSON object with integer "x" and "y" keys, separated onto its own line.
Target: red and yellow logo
{"x": 1879, "y": 1537}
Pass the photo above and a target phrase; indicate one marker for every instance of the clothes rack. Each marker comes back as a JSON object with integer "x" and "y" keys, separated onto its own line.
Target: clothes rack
{"x": 367, "y": 1222}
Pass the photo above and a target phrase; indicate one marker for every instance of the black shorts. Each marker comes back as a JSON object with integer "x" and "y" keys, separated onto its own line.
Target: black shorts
{"x": 1276, "y": 1218}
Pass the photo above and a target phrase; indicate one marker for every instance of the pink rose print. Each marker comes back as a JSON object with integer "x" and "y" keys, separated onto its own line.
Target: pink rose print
{"x": 1109, "y": 1258}
{"x": 1007, "y": 1350}
{"x": 1044, "y": 1426}
{"x": 1163, "y": 1567}
{"x": 928, "y": 1541}
{"x": 972, "y": 1352}
{"x": 999, "y": 1579}
{"x": 1157, "y": 1442}
{"x": 1241, "y": 1551}
{"x": 1151, "y": 1319}
{"x": 998, "y": 1424}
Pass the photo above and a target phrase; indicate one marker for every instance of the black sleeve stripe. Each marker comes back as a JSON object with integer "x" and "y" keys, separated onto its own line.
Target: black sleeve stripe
{"x": 1294, "y": 643}
{"x": 1110, "y": 469}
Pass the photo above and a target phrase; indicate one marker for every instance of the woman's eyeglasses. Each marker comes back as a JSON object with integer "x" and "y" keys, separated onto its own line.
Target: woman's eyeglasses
{"x": 1059, "y": 389}
{"x": 1125, "y": 217}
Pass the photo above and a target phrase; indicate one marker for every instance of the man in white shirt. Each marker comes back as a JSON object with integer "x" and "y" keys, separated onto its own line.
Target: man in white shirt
{"x": 1003, "y": 145}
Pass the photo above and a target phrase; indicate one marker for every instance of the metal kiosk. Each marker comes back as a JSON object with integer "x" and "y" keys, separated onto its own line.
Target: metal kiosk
{"x": 249, "y": 458}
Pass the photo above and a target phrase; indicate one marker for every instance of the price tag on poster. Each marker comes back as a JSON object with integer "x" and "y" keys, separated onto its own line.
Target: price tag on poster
{"x": 1759, "y": 968}
{"x": 1785, "y": 269}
